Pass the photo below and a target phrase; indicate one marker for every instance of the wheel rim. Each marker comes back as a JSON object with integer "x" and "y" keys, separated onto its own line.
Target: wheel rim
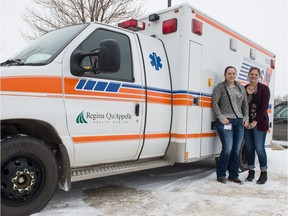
{"x": 21, "y": 179}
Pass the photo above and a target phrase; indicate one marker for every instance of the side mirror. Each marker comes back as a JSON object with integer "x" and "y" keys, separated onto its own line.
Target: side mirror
{"x": 109, "y": 56}
{"x": 105, "y": 59}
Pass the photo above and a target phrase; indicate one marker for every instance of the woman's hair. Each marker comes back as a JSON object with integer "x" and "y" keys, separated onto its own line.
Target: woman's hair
{"x": 229, "y": 68}
{"x": 255, "y": 68}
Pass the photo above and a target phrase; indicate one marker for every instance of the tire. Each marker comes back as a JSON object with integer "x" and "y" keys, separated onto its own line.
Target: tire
{"x": 28, "y": 175}
{"x": 242, "y": 158}
{"x": 216, "y": 160}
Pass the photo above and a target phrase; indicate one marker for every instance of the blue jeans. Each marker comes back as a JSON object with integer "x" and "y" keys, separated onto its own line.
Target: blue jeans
{"x": 231, "y": 144}
{"x": 255, "y": 141}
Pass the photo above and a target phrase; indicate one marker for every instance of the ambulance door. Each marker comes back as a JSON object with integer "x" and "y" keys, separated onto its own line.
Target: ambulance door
{"x": 194, "y": 115}
{"x": 201, "y": 135}
{"x": 158, "y": 90}
{"x": 105, "y": 110}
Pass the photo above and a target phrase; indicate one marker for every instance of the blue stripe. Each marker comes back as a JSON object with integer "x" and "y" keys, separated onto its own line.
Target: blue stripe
{"x": 242, "y": 71}
{"x": 148, "y": 88}
{"x": 132, "y": 86}
{"x": 247, "y": 69}
{"x": 248, "y": 65}
{"x": 81, "y": 84}
{"x": 113, "y": 87}
{"x": 206, "y": 95}
{"x": 192, "y": 93}
{"x": 180, "y": 92}
{"x": 100, "y": 86}
{"x": 158, "y": 90}
{"x": 90, "y": 85}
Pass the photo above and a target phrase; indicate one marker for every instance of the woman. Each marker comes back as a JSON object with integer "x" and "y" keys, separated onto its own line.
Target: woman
{"x": 258, "y": 96}
{"x": 231, "y": 109}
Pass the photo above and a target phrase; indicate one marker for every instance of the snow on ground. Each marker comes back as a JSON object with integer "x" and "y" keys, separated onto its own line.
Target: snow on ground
{"x": 179, "y": 190}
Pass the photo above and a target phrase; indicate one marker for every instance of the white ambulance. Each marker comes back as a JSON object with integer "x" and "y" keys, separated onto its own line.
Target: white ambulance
{"x": 93, "y": 100}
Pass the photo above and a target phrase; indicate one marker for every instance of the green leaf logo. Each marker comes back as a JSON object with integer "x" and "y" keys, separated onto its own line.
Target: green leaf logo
{"x": 80, "y": 118}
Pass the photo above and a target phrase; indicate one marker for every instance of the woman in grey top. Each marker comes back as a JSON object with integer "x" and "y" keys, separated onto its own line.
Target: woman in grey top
{"x": 231, "y": 108}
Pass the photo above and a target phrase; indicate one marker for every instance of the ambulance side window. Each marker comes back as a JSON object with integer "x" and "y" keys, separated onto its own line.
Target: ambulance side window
{"x": 91, "y": 43}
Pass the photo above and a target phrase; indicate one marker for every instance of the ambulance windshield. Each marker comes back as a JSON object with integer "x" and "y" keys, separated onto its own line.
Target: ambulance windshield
{"x": 46, "y": 48}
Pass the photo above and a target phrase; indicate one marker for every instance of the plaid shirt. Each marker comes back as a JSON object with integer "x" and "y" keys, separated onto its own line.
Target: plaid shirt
{"x": 221, "y": 104}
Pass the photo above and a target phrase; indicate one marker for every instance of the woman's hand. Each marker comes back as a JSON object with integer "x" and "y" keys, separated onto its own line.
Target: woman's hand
{"x": 253, "y": 124}
{"x": 246, "y": 124}
{"x": 225, "y": 121}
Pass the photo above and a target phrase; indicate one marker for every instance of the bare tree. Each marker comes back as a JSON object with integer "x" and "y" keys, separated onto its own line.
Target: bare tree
{"x": 278, "y": 99}
{"x": 48, "y": 15}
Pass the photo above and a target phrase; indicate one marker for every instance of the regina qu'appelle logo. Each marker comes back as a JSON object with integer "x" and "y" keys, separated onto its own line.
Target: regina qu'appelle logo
{"x": 80, "y": 118}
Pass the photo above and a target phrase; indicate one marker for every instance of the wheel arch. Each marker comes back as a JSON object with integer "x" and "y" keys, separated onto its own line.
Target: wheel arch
{"x": 45, "y": 132}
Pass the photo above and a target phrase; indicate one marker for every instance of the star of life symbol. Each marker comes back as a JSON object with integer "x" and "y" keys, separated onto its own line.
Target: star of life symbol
{"x": 155, "y": 61}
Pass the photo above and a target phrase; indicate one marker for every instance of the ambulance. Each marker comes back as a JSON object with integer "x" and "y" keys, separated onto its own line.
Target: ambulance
{"x": 93, "y": 100}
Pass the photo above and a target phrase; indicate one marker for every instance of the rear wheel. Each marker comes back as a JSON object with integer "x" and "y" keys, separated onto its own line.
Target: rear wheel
{"x": 28, "y": 175}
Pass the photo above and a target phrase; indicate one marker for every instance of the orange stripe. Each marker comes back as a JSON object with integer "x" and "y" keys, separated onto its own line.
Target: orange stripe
{"x": 182, "y": 96}
{"x": 32, "y": 84}
{"x": 103, "y": 94}
{"x": 232, "y": 34}
{"x": 191, "y": 136}
{"x": 106, "y": 138}
{"x": 131, "y": 91}
{"x": 79, "y": 140}
{"x": 208, "y": 134}
{"x": 158, "y": 100}
{"x": 206, "y": 98}
{"x": 182, "y": 103}
{"x": 205, "y": 104}
{"x": 39, "y": 96}
{"x": 157, "y": 94}
{"x": 156, "y": 136}
{"x": 102, "y": 98}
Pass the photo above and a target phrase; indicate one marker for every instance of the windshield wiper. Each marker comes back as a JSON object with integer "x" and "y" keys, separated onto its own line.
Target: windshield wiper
{"x": 12, "y": 61}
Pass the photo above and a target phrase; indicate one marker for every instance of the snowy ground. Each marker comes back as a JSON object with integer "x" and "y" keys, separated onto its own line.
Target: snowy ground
{"x": 179, "y": 190}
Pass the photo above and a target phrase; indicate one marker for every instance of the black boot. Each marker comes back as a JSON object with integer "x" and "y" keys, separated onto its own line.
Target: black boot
{"x": 251, "y": 175}
{"x": 263, "y": 178}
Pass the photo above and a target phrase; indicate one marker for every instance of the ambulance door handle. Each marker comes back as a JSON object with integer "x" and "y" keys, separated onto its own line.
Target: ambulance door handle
{"x": 196, "y": 101}
{"x": 137, "y": 109}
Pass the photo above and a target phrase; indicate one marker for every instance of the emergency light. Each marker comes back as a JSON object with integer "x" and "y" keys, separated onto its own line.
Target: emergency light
{"x": 169, "y": 26}
{"x": 132, "y": 24}
{"x": 197, "y": 27}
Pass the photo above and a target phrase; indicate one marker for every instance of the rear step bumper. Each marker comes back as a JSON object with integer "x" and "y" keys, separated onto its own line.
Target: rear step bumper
{"x": 91, "y": 172}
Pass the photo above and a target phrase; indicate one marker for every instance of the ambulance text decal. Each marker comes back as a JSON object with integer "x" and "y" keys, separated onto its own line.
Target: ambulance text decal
{"x": 115, "y": 118}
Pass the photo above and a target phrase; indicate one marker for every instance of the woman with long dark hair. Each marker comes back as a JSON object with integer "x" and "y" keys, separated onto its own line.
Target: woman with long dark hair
{"x": 258, "y": 96}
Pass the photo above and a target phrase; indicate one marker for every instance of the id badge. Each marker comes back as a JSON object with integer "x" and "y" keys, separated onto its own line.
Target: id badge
{"x": 228, "y": 127}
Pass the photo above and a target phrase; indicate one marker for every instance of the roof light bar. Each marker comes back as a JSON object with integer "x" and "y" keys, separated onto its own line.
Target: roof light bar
{"x": 132, "y": 24}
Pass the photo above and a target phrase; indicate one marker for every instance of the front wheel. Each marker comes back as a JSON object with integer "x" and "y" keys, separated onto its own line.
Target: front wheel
{"x": 28, "y": 175}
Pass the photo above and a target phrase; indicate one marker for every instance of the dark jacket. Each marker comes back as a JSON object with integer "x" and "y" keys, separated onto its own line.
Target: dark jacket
{"x": 262, "y": 106}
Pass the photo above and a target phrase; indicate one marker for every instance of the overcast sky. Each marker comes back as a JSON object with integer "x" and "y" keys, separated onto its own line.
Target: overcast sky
{"x": 263, "y": 21}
